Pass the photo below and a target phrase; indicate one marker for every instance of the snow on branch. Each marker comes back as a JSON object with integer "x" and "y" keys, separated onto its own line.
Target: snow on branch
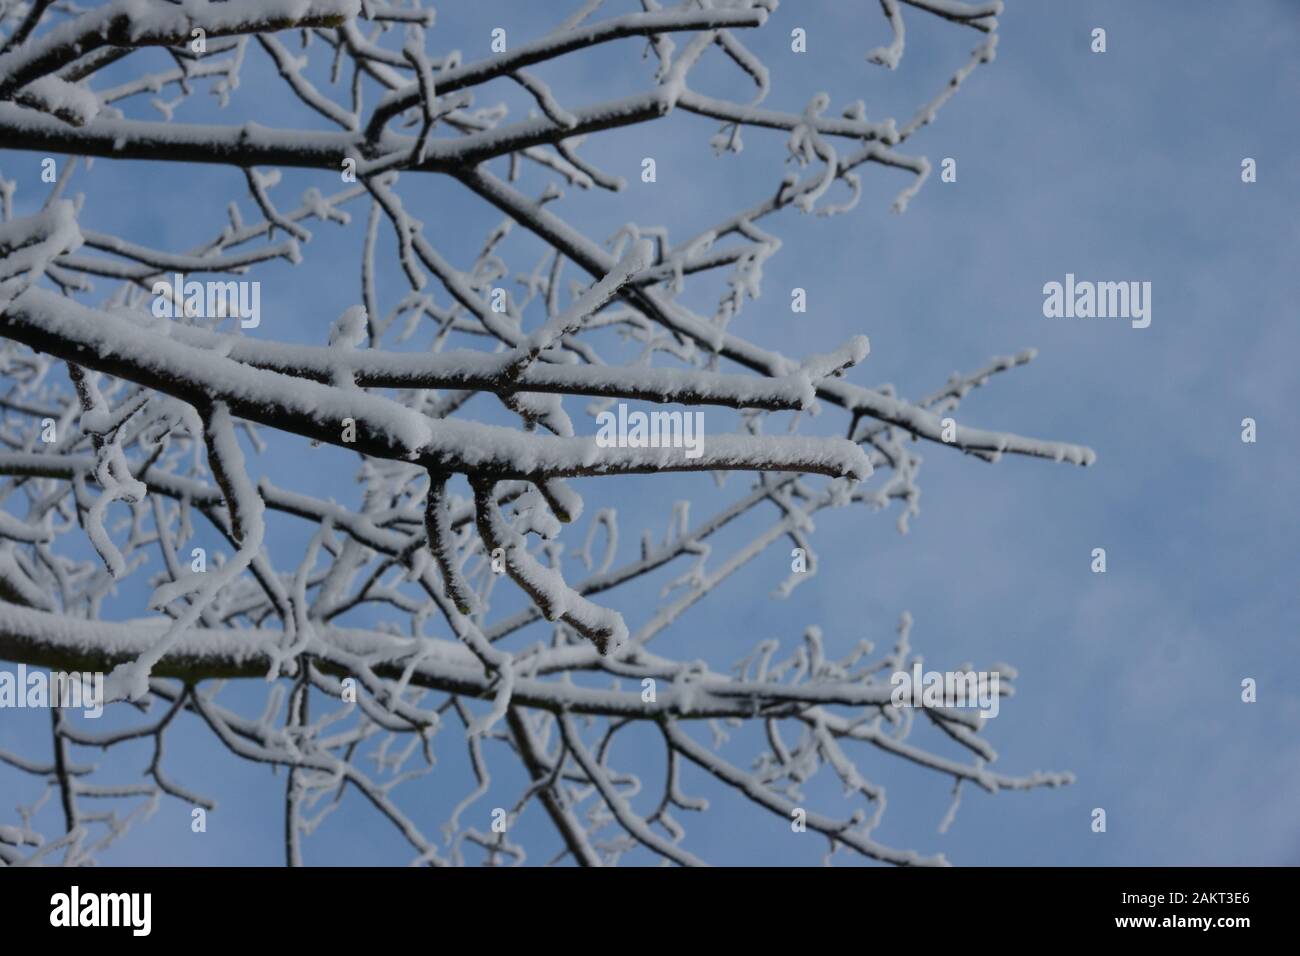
{"x": 134, "y": 23}
{"x": 142, "y": 353}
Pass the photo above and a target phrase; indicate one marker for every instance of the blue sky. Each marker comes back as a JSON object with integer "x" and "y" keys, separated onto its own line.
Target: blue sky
{"x": 1115, "y": 166}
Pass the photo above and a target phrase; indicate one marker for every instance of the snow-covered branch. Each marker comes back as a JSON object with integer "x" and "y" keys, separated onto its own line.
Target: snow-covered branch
{"x": 464, "y": 573}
